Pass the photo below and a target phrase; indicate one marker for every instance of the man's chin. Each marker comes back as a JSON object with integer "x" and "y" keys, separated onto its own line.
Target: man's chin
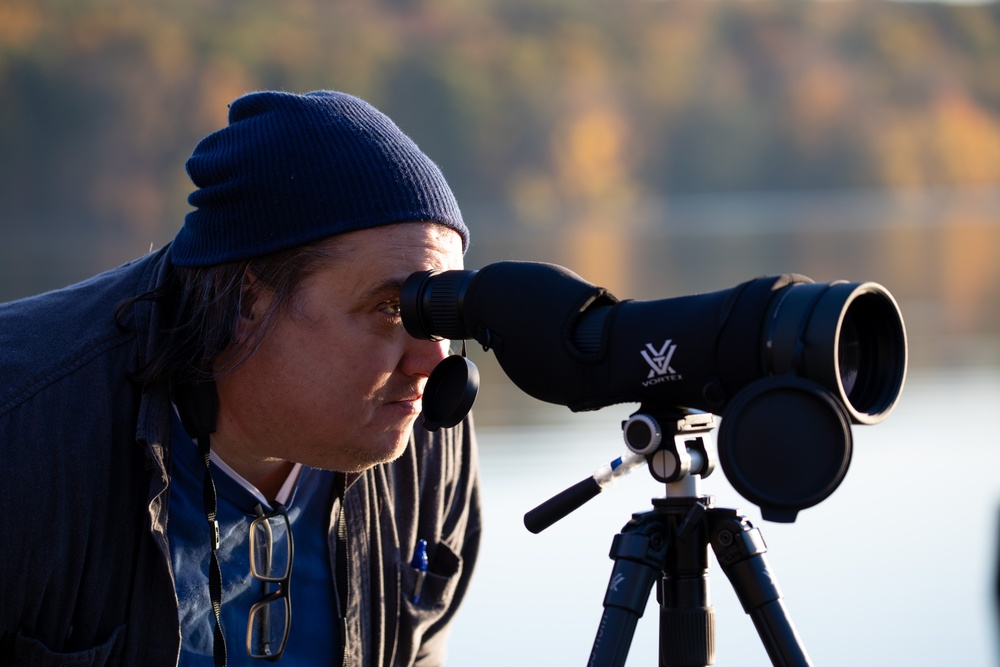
{"x": 397, "y": 449}
{"x": 385, "y": 449}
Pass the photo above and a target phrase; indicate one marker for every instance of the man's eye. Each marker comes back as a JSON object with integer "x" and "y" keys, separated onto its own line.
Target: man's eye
{"x": 392, "y": 309}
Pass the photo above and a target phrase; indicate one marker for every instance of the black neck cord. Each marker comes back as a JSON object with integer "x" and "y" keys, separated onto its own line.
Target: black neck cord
{"x": 214, "y": 571}
{"x": 198, "y": 406}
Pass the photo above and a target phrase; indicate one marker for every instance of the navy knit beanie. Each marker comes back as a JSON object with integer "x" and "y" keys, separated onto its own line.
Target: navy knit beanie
{"x": 291, "y": 169}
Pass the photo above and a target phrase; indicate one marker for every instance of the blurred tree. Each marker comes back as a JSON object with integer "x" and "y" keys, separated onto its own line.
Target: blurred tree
{"x": 539, "y": 109}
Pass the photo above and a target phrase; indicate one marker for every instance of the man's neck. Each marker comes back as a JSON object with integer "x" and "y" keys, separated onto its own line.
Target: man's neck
{"x": 268, "y": 477}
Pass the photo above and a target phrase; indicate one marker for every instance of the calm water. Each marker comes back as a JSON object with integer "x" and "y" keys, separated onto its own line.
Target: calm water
{"x": 895, "y": 568}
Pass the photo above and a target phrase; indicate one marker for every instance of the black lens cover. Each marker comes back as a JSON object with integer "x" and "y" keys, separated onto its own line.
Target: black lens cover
{"x": 785, "y": 444}
{"x": 450, "y": 392}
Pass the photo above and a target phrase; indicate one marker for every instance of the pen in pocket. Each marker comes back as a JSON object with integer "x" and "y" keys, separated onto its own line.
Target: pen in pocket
{"x": 419, "y": 564}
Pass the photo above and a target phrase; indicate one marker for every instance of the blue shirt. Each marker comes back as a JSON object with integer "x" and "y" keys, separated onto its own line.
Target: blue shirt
{"x": 312, "y": 639}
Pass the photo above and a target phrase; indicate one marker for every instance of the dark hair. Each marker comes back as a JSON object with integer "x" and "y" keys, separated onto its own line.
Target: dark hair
{"x": 196, "y": 339}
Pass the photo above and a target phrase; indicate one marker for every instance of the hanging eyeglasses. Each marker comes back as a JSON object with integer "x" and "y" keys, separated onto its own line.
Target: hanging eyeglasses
{"x": 271, "y": 553}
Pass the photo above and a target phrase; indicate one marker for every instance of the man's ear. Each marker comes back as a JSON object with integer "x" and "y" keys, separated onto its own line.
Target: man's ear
{"x": 254, "y": 300}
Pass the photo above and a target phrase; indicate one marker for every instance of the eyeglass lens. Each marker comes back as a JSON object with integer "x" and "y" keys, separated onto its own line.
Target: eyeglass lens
{"x": 269, "y": 548}
{"x": 268, "y": 622}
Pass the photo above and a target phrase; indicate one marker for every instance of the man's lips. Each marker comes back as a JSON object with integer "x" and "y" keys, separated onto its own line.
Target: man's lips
{"x": 408, "y": 399}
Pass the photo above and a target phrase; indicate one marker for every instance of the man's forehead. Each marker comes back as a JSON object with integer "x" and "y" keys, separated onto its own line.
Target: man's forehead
{"x": 379, "y": 260}
{"x": 411, "y": 243}
{"x": 417, "y": 233}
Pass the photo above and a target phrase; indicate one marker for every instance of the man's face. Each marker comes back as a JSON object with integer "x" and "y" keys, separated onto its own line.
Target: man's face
{"x": 337, "y": 383}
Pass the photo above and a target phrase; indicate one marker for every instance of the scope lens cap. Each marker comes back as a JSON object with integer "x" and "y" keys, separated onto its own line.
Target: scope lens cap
{"x": 450, "y": 392}
{"x": 785, "y": 444}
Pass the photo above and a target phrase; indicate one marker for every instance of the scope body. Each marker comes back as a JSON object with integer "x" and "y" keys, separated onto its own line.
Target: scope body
{"x": 566, "y": 341}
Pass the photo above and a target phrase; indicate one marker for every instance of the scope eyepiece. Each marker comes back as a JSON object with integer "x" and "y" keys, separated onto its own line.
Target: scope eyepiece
{"x": 432, "y": 304}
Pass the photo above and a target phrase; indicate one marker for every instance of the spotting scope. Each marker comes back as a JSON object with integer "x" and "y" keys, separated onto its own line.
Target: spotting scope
{"x": 566, "y": 341}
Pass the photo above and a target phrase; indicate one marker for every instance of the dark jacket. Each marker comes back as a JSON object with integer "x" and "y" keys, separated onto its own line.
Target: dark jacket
{"x": 85, "y": 577}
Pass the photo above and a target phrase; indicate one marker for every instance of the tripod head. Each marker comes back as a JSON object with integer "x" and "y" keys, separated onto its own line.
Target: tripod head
{"x": 677, "y": 445}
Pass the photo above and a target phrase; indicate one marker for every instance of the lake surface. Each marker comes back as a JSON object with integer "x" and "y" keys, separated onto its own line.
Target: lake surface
{"x": 897, "y": 567}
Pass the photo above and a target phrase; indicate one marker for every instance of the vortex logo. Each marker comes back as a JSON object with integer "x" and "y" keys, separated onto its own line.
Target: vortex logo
{"x": 659, "y": 363}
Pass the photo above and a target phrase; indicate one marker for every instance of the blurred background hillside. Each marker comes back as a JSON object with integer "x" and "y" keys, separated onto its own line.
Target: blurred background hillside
{"x": 658, "y": 148}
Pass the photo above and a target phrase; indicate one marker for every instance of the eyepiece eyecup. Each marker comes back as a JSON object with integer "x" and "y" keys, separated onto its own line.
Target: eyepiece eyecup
{"x": 432, "y": 309}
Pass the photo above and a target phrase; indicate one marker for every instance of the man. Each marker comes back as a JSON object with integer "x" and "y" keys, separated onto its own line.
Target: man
{"x": 199, "y": 443}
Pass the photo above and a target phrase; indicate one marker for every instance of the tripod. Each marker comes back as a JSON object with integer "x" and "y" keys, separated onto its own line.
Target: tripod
{"x": 668, "y": 546}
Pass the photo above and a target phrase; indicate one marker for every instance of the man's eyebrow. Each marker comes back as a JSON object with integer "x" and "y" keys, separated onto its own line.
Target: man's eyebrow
{"x": 388, "y": 286}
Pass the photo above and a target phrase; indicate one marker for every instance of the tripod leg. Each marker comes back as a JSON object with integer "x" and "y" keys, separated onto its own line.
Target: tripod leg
{"x": 638, "y": 552}
{"x": 740, "y": 549}
{"x": 687, "y": 618}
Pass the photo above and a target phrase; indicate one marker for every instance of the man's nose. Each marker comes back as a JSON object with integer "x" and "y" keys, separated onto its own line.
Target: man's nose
{"x": 423, "y": 355}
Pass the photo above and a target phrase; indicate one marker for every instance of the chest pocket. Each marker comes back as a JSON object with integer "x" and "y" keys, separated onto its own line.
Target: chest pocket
{"x": 437, "y": 591}
{"x": 29, "y": 652}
